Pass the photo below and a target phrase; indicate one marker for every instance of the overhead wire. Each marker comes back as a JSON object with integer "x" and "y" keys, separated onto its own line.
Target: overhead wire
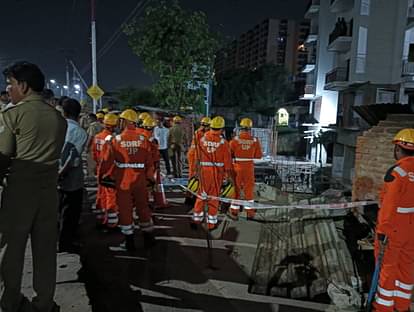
{"x": 115, "y": 36}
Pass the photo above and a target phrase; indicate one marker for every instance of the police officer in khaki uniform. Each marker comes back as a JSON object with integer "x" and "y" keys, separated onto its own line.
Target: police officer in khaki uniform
{"x": 176, "y": 141}
{"x": 32, "y": 135}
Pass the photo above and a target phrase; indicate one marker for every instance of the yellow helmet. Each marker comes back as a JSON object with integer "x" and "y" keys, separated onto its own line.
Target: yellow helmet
{"x": 205, "y": 121}
{"x": 246, "y": 123}
{"x": 405, "y": 139}
{"x": 149, "y": 123}
{"x": 105, "y": 110}
{"x": 217, "y": 123}
{"x": 144, "y": 116}
{"x": 177, "y": 119}
{"x": 227, "y": 190}
{"x": 193, "y": 184}
{"x": 130, "y": 115}
{"x": 110, "y": 119}
{"x": 100, "y": 115}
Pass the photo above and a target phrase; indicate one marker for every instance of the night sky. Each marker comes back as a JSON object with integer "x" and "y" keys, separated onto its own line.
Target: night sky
{"x": 41, "y": 30}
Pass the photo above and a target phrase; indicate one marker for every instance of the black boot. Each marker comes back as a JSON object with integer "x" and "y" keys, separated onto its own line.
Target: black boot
{"x": 130, "y": 242}
{"x": 190, "y": 201}
{"x": 194, "y": 226}
{"x": 149, "y": 239}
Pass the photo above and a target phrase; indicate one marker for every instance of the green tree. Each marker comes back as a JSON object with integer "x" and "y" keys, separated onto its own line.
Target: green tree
{"x": 261, "y": 90}
{"x": 178, "y": 47}
{"x": 131, "y": 96}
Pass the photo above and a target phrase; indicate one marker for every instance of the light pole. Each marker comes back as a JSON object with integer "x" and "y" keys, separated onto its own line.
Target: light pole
{"x": 55, "y": 86}
{"x": 79, "y": 91}
{"x": 93, "y": 35}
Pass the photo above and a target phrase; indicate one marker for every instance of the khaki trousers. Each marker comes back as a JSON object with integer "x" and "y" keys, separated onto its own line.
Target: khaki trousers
{"x": 29, "y": 209}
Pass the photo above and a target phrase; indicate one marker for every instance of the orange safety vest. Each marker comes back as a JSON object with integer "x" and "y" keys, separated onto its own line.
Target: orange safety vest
{"x": 131, "y": 156}
{"x": 245, "y": 148}
{"x": 397, "y": 199}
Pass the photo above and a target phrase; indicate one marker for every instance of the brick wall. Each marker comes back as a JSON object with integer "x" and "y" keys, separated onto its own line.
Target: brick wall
{"x": 375, "y": 155}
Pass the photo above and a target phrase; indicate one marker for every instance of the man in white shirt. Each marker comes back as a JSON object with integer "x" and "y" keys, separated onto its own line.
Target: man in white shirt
{"x": 161, "y": 134}
{"x": 71, "y": 177}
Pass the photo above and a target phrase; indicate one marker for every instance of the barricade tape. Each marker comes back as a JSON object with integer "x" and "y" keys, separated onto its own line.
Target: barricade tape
{"x": 239, "y": 202}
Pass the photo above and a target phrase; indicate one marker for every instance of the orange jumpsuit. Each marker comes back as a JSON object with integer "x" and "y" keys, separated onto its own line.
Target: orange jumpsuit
{"x": 396, "y": 221}
{"x": 192, "y": 152}
{"x": 244, "y": 148}
{"x": 107, "y": 211}
{"x": 215, "y": 164}
{"x": 131, "y": 154}
{"x": 155, "y": 155}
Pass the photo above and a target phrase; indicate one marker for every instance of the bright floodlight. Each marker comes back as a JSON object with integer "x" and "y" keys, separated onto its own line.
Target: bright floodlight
{"x": 76, "y": 91}
{"x": 53, "y": 81}
{"x": 77, "y": 86}
{"x": 65, "y": 87}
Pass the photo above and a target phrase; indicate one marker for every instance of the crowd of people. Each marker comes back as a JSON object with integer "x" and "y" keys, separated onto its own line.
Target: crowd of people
{"x": 43, "y": 141}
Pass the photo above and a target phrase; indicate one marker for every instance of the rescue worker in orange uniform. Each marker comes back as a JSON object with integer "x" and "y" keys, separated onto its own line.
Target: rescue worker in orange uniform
{"x": 158, "y": 193}
{"x": 395, "y": 229}
{"x": 142, "y": 117}
{"x": 106, "y": 209}
{"x": 244, "y": 149}
{"x": 100, "y": 117}
{"x": 198, "y": 134}
{"x": 148, "y": 126}
{"x": 214, "y": 158}
{"x": 133, "y": 170}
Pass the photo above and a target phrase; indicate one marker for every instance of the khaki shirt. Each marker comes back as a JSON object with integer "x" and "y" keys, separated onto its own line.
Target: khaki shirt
{"x": 32, "y": 135}
{"x": 176, "y": 136}
{"x": 94, "y": 128}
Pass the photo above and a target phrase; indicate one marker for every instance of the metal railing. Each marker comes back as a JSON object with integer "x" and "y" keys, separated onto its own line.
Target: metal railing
{"x": 408, "y": 68}
{"x": 338, "y": 74}
{"x": 309, "y": 89}
{"x": 341, "y": 30}
{"x": 411, "y": 12}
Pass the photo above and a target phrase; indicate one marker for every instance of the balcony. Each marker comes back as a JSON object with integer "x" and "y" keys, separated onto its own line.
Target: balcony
{"x": 339, "y": 6}
{"x": 310, "y": 64}
{"x": 337, "y": 79}
{"x": 308, "y": 68}
{"x": 408, "y": 68}
{"x": 309, "y": 89}
{"x": 340, "y": 39}
{"x": 407, "y": 71}
{"x": 410, "y": 13}
{"x": 311, "y": 38}
{"x": 309, "y": 92}
{"x": 410, "y": 17}
{"x": 312, "y": 9}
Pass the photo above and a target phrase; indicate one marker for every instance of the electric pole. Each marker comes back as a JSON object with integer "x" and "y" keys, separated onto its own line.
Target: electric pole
{"x": 93, "y": 35}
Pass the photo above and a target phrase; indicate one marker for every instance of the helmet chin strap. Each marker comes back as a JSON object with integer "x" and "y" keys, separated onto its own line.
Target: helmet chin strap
{"x": 396, "y": 152}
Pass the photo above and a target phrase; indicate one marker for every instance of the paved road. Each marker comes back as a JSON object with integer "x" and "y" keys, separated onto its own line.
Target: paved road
{"x": 174, "y": 275}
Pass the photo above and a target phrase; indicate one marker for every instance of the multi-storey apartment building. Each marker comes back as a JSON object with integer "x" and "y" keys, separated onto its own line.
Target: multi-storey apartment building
{"x": 363, "y": 54}
{"x": 272, "y": 41}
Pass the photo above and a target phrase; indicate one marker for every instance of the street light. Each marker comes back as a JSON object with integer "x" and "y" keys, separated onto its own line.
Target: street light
{"x": 65, "y": 87}
{"x": 52, "y": 81}
{"x": 77, "y": 86}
